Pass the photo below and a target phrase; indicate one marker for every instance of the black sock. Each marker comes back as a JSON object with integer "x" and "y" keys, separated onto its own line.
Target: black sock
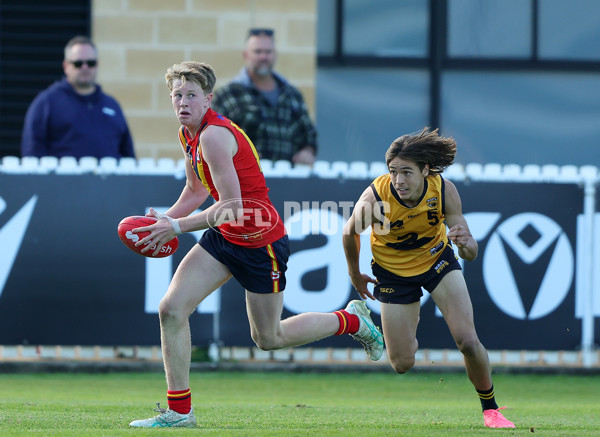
{"x": 488, "y": 402}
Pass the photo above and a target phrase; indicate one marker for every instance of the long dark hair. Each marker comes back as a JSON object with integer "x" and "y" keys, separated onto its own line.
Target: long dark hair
{"x": 425, "y": 147}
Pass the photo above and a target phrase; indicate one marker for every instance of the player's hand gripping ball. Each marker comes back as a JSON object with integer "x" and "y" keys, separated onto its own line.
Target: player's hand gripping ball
{"x": 129, "y": 238}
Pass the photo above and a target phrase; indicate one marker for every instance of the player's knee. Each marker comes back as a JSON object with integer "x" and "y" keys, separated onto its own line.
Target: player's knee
{"x": 167, "y": 311}
{"x": 164, "y": 309}
{"x": 266, "y": 342}
{"x": 403, "y": 361}
{"x": 469, "y": 345}
{"x": 402, "y": 364}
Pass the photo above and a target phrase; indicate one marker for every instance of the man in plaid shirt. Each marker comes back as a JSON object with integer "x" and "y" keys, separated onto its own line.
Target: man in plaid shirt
{"x": 266, "y": 106}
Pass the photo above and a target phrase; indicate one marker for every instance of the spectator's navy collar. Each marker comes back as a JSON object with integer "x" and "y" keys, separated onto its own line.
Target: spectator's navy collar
{"x": 243, "y": 78}
{"x": 69, "y": 89}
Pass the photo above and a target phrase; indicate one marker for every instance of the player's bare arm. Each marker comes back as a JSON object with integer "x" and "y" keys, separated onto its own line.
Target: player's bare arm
{"x": 192, "y": 196}
{"x": 218, "y": 148}
{"x": 361, "y": 218}
{"x": 459, "y": 232}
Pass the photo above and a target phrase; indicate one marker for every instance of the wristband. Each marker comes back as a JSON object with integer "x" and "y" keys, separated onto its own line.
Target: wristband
{"x": 175, "y": 225}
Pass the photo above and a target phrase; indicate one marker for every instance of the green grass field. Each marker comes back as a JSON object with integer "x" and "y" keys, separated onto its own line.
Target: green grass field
{"x": 296, "y": 404}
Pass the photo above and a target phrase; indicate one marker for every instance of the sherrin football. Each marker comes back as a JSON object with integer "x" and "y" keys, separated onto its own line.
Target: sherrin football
{"x": 129, "y": 238}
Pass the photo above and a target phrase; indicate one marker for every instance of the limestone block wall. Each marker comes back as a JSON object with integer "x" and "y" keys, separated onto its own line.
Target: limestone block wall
{"x": 138, "y": 40}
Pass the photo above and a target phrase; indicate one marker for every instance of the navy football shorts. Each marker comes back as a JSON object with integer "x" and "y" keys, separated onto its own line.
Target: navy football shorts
{"x": 391, "y": 288}
{"x": 259, "y": 270}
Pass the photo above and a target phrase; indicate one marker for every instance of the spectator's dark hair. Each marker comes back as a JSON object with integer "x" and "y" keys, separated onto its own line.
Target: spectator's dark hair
{"x": 425, "y": 147}
{"x": 258, "y": 31}
{"x": 79, "y": 39}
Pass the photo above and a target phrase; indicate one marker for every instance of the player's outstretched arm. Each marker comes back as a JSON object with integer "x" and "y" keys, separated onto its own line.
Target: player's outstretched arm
{"x": 358, "y": 222}
{"x": 459, "y": 232}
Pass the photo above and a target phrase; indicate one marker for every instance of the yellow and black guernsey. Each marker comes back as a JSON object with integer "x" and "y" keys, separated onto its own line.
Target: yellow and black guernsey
{"x": 408, "y": 241}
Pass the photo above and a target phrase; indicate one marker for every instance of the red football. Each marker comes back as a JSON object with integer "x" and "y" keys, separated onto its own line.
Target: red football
{"x": 129, "y": 238}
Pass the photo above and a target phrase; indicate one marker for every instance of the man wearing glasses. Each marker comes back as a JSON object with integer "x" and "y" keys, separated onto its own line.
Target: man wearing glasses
{"x": 74, "y": 117}
{"x": 266, "y": 106}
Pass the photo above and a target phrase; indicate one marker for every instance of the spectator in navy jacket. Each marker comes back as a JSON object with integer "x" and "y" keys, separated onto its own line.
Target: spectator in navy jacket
{"x": 74, "y": 117}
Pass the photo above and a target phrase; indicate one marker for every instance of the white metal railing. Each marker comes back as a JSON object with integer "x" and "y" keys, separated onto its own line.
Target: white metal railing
{"x": 492, "y": 172}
